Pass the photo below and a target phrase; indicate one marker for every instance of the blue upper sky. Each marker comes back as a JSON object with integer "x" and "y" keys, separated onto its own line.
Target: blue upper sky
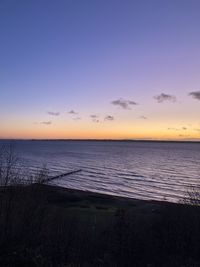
{"x": 58, "y": 56}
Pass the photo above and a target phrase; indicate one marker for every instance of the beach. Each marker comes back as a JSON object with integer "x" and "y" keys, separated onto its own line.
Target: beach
{"x": 54, "y": 226}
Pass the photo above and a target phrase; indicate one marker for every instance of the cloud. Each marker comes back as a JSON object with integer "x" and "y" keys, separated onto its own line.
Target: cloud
{"x": 143, "y": 117}
{"x": 97, "y": 121}
{"x": 77, "y": 119}
{"x": 124, "y": 104}
{"x": 73, "y": 112}
{"x": 109, "y": 118}
{"x": 177, "y": 129}
{"x": 173, "y": 129}
{"x": 53, "y": 113}
{"x": 184, "y": 135}
{"x": 46, "y": 122}
{"x": 93, "y": 116}
{"x": 195, "y": 95}
{"x": 165, "y": 97}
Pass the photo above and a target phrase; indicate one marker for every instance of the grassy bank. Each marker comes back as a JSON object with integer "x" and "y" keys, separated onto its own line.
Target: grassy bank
{"x": 49, "y": 226}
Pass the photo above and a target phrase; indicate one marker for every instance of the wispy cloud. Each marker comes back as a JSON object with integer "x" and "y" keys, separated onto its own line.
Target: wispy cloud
{"x": 73, "y": 112}
{"x": 77, "y": 119}
{"x": 177, "y": 129}
{"x": 96, "y": 120}
{"x": 165, "y": 97}
{"x": 109, "y": 118}
{"x": 93, "y": 116}
{"x": 123, "y": 103}
{"x": 184, "y": 135}
{"x": 143, "y": 117}
{"x": 173, "y": 129}
{"x": 46, "y": 122}
{"x": 53, "y": 113}
{"x": 195, "y": 95}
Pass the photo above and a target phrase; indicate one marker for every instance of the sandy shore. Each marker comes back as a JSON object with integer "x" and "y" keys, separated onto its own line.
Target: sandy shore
{"x": 68, "y": 227}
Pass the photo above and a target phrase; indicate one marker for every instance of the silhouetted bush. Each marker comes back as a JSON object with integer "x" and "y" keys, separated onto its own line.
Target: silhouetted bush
{"x": 192, "y": 196}
{"x": 36, "y": 232}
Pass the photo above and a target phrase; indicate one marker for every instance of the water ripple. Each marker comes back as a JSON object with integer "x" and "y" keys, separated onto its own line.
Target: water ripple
{"x": 144, "y": 170}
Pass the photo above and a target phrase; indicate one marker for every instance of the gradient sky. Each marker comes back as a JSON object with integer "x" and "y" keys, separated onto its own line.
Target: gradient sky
{"x": 100, "y": 69}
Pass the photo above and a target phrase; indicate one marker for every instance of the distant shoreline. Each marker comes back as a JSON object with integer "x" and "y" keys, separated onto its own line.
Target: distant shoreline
{"x": 105, "y": 140}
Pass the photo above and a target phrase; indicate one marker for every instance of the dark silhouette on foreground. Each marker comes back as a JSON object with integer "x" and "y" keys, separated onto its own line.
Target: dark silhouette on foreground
{"x": 50, "y": 226}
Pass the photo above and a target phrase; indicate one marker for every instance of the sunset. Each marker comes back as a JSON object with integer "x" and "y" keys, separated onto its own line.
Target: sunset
{"x": 135, "y": 62}
{"x": 99, "y": 133}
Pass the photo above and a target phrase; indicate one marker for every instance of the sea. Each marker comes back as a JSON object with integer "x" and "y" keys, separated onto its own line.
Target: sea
{"x": 135, "y": 169}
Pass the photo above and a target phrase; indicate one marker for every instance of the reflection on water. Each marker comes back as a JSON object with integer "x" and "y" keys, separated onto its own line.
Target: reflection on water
{"x": 146, "y": 170}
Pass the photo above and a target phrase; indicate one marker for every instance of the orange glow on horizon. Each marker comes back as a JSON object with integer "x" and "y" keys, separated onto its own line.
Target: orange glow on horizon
{"x": 95, "y": 134}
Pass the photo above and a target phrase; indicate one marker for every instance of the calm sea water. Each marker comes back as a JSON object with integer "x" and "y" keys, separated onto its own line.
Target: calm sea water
{"x": 145, "y": 170}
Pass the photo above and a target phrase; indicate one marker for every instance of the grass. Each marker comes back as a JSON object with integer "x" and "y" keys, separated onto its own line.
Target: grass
{"x": 45, "y": 225}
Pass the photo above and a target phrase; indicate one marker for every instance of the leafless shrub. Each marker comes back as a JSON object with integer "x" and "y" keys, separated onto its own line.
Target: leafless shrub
{"x": 12, "y": 174}
{"x": 41, "y": 175}
{"x": 9, "y": 167}
{"x": 38, "y": 177}
{"x": 191, "y": 196}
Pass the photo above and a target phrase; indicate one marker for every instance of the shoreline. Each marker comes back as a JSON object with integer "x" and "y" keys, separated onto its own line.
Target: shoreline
{"x": 70, "y": 227}
{"x": 96, "y": 198}
{"x": 76, "y": 196}
{"x": 100, "y": 140}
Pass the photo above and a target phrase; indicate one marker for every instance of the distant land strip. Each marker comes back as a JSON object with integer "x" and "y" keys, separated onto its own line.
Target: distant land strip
{"x": 105, "y": 140}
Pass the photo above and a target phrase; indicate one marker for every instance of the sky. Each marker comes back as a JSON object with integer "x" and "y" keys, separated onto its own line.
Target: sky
{"x": 100, "y": 69}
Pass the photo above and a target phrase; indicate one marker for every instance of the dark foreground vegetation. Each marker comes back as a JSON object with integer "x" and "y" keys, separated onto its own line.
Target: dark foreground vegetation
{"x": 50, "y": 226}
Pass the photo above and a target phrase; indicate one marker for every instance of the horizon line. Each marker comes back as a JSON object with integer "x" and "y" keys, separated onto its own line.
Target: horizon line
{"x": 102, "y": 139}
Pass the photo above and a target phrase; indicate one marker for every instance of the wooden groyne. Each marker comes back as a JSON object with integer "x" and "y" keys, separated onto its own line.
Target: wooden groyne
{"x": 61, "y": 175}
